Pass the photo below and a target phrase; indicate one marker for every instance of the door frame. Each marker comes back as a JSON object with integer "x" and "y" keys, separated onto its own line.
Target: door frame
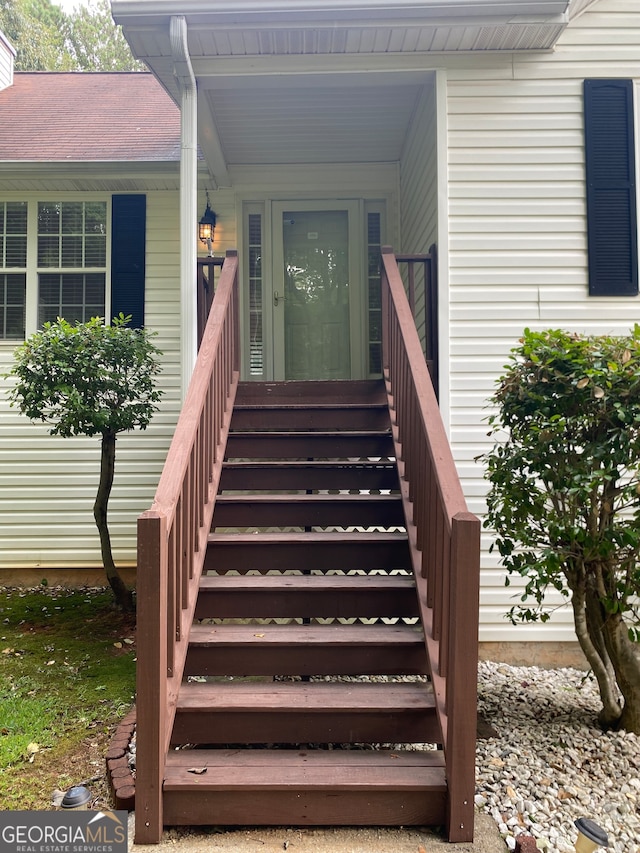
{"x": 275, "y": 282}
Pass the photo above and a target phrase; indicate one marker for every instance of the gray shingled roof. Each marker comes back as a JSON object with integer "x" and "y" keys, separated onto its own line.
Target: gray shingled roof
{"x": 87, "y": 117}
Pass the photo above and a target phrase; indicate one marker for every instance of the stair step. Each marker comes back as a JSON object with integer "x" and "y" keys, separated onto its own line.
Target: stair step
{"x": 305, "y": 596}
{"x": 300, "y": 787}
{"x": 305, "y": 712}
{"x": 317, "y": 551}
{"x": 321, "y": 391}
{"x": 307, "y": 510}
{"x": 305, "y": 416}
{"x": 309, "y": 445}
{"x": 305, "y": 650}
{"x": 281, "y": 475}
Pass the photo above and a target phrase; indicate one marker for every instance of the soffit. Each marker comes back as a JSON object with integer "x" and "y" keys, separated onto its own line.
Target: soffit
{"x": 251, "y": 117}
{"x": 325, "y": 123}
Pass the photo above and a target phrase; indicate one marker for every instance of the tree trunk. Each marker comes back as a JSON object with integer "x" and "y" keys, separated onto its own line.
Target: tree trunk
{"x": 122, "y": 595}
{"x": 609, "y": 716}
{"x": 625, "y": 656}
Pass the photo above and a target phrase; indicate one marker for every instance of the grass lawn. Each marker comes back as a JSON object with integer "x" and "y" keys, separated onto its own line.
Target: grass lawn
{"x": 67, "y": 675}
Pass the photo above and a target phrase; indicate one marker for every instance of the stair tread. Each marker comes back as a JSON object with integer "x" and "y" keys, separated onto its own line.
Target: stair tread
{"x": 300, "y": 696}
{"x": 304, "y": 498}
{"x": 285, "y": 405}
{"x": 339, "y": 583}
{"x": 311, "y": 463}
{"x": 313, "y": 434}
{"x": 335, "y": 770}
{"x": 295, "y": 634}
{"x": 311, "y": 538}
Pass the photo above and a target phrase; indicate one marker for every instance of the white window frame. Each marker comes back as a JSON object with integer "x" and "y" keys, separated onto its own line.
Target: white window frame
{"x": 32, "y": 269}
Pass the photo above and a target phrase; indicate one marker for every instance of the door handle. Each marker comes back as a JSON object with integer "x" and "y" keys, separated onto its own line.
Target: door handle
{"x": 277, "y": 297}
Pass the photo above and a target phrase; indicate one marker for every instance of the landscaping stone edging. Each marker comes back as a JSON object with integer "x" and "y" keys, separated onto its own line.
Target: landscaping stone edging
{"x": 119, "y": 774}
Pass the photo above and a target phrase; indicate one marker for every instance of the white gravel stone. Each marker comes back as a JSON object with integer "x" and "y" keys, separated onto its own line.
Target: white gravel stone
{"x": 550, "y": 753}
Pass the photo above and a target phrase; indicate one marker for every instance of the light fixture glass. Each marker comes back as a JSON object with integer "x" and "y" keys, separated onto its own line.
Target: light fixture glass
{"x": 207, "y": 226}
{"x": 590, "y": 836}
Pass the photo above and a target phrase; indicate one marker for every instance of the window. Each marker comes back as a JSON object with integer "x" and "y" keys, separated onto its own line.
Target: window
{"x": 256, "y": 316}
{"x": 374, "y": 296}
{"x": 75, "y": 259}
{"x": 13, "y": 264}
{"x": 71, "y": 260}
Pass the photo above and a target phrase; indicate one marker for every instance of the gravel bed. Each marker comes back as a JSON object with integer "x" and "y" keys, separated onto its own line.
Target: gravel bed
{"x": 542, "y": 762}
{"x": 547, "y": 763}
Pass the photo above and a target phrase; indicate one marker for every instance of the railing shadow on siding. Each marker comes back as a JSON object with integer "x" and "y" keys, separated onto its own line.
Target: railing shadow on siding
{"x": 172, "y": 540}
{"x": 444, "y": 540}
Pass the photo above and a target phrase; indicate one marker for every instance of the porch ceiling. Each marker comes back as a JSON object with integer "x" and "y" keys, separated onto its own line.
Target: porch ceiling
{"x": 320, "y": 81}
{"x": 342, "y": 121}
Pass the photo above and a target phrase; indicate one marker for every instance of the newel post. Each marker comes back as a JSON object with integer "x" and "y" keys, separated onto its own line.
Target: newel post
{"x": 151, "y": 678}
{"x": 462, "y": 680}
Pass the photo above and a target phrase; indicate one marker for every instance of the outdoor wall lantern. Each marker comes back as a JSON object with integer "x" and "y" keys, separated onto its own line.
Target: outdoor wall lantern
{"x": 590, "y": 836}
{"x": 207, "y": 227}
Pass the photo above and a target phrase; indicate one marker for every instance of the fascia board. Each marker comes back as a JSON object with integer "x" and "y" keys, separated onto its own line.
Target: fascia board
{"x": 244, "y": 11}
{"x": 5, "y": 41}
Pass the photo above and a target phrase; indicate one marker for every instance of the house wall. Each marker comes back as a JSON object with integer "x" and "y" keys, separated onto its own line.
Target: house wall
{"x": 7, "y": 54}
{"x": 419, "y": 186}
{"x": 517, "y": 235}
{"x": 48, "y": 484}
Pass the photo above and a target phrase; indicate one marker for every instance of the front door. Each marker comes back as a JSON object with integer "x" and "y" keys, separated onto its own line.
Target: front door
{"x": 316, "y": 292}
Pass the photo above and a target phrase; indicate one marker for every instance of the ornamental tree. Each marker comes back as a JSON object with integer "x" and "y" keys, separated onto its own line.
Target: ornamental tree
{"x": 564, "y": 498}
{"x": 90, "y": 379}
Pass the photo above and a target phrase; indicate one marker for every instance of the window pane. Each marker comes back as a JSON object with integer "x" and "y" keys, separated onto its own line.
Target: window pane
{"x": 94, "y": 288}
{"x": 12, "y": 305}
{"x": 72, "y": 251}
{"x": 72, "y": 289}
{"x": 48, "y": 217}
{"x": 95, "y": 217}
{"x": 48, "y": 251}
{"x": 95, "y": 251}
{"x": 72, "y": 217}
{"x": 14, "y": 217}
{"x": 74, "y": 296}
{"x": 256, "y": 341}
{"x": 16, "y": 251}
{"x": 13, "y": 234}
{"x": 374, "y": 229}
{"x": 49, "y": 289}
{"x": 72, "y": 234}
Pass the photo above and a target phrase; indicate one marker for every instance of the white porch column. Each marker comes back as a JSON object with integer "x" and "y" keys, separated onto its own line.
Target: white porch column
{"x": 188, "y": 196}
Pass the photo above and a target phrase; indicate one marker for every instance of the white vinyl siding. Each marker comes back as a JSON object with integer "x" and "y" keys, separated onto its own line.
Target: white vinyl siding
{"x": 48, "y": 484}
{"x": 419, "y": 187}
{"x": 517, "y": 236}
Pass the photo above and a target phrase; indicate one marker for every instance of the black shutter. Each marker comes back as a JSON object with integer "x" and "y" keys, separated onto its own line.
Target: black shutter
{"x": 128, "y": 239}
{"x": 611, "y": 188}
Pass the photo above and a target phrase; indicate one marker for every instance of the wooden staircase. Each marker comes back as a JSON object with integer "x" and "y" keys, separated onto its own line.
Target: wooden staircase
{"x": 306, "y": 593}
{"x": 308, "y": 578}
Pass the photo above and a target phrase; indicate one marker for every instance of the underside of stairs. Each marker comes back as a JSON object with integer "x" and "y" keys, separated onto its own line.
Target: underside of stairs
{"x": 306, "y": 697}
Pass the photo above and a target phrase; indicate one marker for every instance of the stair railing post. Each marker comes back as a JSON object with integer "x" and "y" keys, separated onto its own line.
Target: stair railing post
{"x": 233, "y": 253}
{"x": 154, "y": 633}
{"x": 385, "y": 311}
{"x": 462, "y": 678}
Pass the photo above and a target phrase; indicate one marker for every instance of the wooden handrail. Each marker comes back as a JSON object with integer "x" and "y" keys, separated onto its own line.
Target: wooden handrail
{"x": 172, "y": 538}
{"x": 444, "y": 540}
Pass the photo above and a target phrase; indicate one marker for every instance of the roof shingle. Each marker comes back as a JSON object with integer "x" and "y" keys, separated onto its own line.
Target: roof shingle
{"x": 85, "y": 117}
